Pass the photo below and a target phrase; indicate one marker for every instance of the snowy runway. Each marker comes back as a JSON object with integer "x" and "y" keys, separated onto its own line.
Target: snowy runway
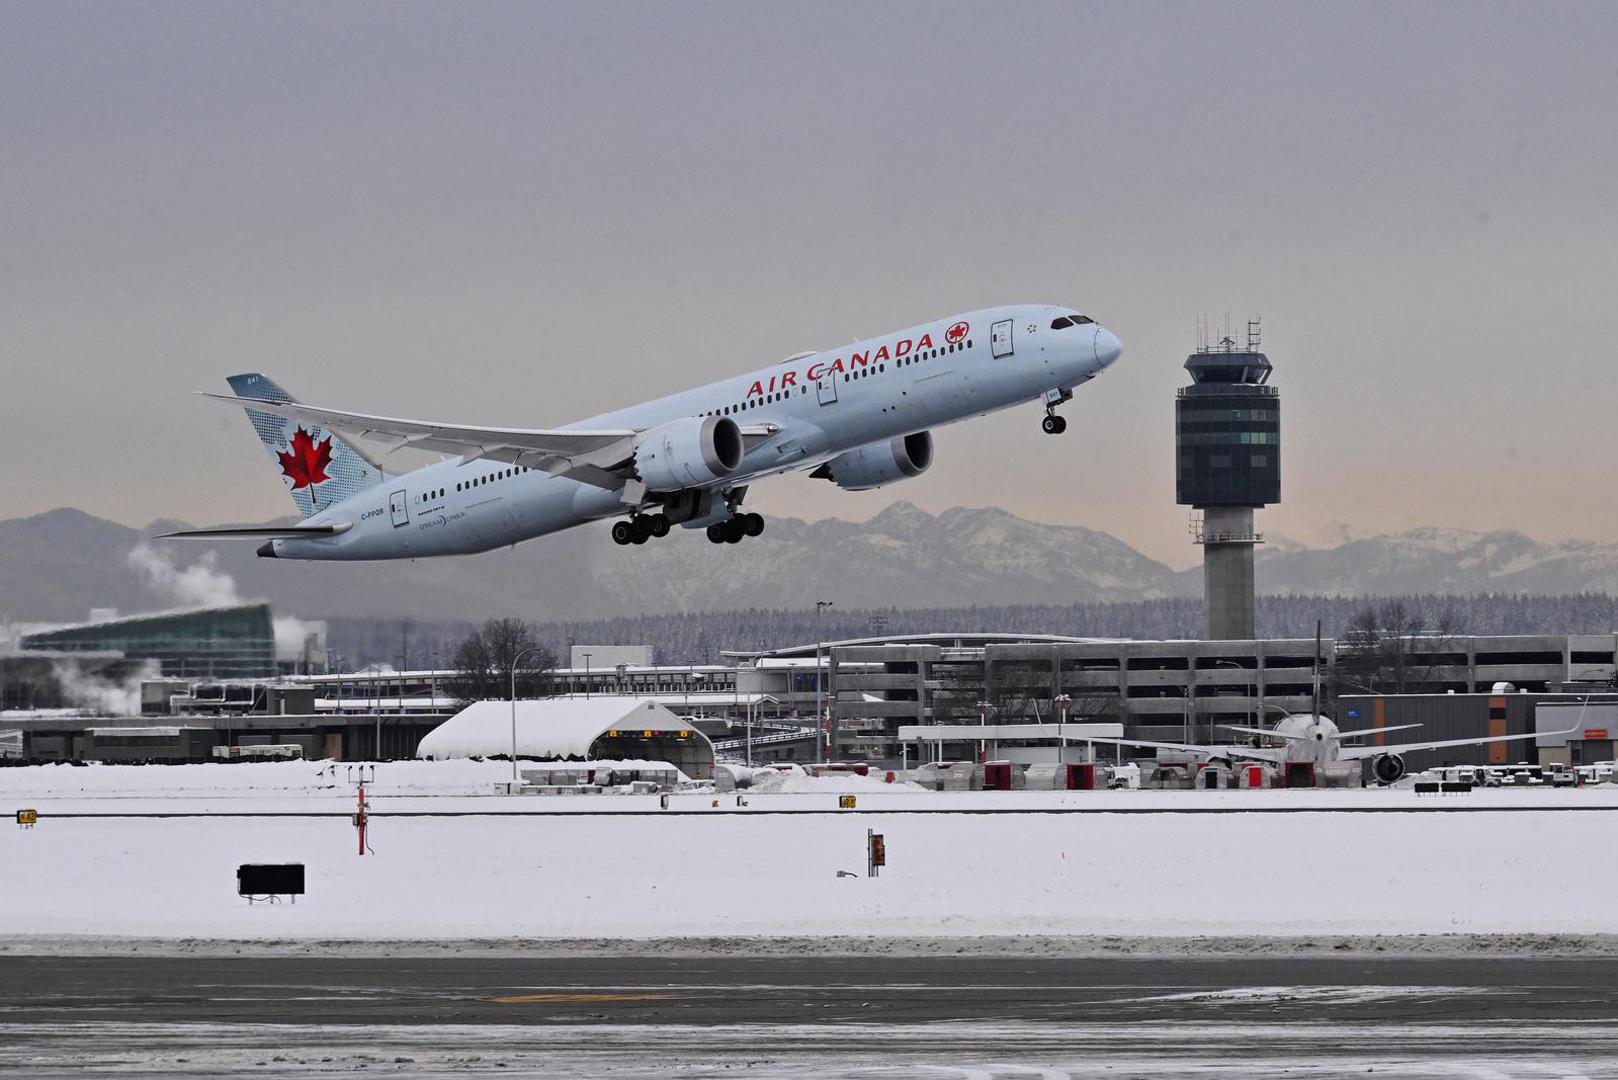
{"x": 847, "y": 1016}
{"x": 449, "y": 863}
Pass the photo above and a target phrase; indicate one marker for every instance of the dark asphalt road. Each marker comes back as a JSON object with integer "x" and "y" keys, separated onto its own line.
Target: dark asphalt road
{"x": 816, "y": 1016}
{"x": 730, "y": 990}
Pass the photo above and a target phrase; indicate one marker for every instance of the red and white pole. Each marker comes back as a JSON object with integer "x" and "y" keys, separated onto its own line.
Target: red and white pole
{"x": 359, "y": 820}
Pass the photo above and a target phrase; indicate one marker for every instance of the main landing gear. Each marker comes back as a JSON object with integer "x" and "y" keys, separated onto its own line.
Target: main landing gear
{"x": 639, "y": 529}
{"x": 733, "y": 529}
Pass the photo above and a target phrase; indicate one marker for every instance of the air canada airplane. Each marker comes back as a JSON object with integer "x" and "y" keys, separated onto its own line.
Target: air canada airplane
{"x": 859, "y": 416}
{"x": 1316, "y": 739}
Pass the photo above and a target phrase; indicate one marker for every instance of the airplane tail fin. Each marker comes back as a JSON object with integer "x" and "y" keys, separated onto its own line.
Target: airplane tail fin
{"x": 318, "y": 467}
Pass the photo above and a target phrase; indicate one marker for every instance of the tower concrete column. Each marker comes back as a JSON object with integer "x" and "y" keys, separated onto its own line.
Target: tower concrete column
{"x": 1227, "y": 573}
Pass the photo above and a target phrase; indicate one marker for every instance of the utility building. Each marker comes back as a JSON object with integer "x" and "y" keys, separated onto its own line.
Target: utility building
{"x": 1228, "y": 437}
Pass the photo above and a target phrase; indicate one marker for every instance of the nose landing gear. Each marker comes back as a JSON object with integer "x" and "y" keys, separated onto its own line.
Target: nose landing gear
{"x": 732, "y": 530}
{"x": 1053, "y": 424}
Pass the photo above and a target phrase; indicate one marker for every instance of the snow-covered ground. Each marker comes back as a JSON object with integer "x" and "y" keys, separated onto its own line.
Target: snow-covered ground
{"x": 619, "y": 866}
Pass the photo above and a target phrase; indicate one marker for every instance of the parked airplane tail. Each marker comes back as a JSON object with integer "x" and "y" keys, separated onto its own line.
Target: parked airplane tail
{"x": 318, "y": 467}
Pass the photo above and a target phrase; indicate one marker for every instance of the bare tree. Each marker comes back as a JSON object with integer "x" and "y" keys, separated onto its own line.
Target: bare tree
{"x": 1019, "y": 689}
{"x": 1394, "y": 647}
{"x": 485, "y": 658}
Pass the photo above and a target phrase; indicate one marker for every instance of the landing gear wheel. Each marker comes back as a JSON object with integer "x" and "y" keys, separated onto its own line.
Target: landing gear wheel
{"x": 752, "y": 524}
{"x": 659, "y": 525}
{"x": 716, "y": 534}
{"x": 639, "y": 531}
{"x": 1053, "y": 424}
{"x": 734, "y": 531}
{"x": 622, "y": 532}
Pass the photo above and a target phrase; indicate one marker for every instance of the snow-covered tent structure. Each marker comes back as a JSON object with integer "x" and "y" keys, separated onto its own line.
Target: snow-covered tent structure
{"x": 614, "y": 728}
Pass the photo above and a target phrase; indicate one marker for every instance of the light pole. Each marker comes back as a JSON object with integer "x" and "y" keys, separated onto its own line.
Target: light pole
{"x": 515, "y": 660}
{"x": 751, "y": 714}
{"x": 1185, "y": 716}
{"x": 1062, "y": 703}
{"x": 1267, "y": 705}
{"x": 822, "y": 721}
{"x": 1252, "y": 692}
{"x": 374, "y": 669}
{"x": 587, "y": 674}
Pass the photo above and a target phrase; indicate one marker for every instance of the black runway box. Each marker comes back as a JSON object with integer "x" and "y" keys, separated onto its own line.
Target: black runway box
{"x": 269, "y": 879}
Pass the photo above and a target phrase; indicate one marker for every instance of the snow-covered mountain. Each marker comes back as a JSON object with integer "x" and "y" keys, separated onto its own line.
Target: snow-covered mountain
{"x": 1433, "y": 560}
{"x": 57, "y": 565}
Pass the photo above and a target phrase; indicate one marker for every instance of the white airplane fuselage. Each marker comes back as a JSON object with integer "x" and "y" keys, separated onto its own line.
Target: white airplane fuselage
{"x": 1316, "y": 738}
{"x": 821, "y": 405}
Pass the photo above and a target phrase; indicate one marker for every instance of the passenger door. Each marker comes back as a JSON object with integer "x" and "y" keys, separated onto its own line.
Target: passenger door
{"x": 1000, "y": 339}
{"x": 826, "y": 388}
{"x": 399, "y": 507}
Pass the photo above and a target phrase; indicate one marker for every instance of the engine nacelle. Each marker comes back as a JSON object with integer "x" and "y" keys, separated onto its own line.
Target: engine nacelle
{"x": 880, "y": 463}
{"x": 692, "y": 452}
{"x": 1387, "y": 768}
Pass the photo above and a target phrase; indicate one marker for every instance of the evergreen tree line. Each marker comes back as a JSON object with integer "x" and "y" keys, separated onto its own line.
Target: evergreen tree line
{"x": 701, "y": 637}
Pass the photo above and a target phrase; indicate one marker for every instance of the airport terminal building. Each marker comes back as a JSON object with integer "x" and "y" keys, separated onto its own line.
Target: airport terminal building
{"x": 1172, "y": 691}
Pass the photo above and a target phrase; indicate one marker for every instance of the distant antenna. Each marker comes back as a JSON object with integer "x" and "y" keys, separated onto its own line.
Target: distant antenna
{"x": 1253, "y": 334}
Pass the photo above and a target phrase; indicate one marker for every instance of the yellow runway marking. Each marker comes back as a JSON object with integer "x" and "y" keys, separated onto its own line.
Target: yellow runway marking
{"x": 526, "y": 999}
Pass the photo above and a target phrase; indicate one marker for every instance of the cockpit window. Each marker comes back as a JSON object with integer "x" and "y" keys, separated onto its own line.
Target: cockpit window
{"x": 1063, "y": 322}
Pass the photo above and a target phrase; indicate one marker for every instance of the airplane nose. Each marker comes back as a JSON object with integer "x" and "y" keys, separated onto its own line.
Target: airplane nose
{"x": 1108, "y": 347}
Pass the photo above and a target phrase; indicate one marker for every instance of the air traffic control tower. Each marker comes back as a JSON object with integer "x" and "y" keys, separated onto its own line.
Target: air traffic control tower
{"x": 1228, "y": 435}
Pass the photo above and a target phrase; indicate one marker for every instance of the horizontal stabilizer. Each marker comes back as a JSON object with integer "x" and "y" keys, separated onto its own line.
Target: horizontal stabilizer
{"x": 1268, "y": 733}
{"x": 259, "y": 532}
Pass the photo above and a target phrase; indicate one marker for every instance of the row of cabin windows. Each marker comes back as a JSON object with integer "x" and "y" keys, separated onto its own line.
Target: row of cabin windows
{"x": 782, "y": 395}
{"x": 502, "y": 474}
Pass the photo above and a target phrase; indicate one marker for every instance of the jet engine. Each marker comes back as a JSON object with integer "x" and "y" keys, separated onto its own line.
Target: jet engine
{"x": 1387, "y": 768}
{"x": 876, "y": 464}
{"x": 692, "y": 452}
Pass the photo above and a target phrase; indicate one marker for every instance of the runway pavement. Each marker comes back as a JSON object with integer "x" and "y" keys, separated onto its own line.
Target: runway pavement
{"x": 1315, "y": 1016}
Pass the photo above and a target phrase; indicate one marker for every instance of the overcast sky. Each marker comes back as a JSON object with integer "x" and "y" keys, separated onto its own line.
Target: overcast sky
{"x": 521, "y": 215}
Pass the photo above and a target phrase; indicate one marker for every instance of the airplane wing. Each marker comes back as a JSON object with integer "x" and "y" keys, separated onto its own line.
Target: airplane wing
{"x": 261, "y": 532}
{"x": 1275, "y": 755}
{"x": 1356, "y": 753}
{"x": 602, "y": 458}
{"x": 1375, "y": 730}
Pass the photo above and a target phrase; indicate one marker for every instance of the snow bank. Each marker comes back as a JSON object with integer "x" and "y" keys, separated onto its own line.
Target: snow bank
{"x": 448, "y": 866}
{"x": 248, "y": 779}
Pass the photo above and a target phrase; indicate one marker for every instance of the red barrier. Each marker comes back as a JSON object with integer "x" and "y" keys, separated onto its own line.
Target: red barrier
{"x": 1298, "y": 774}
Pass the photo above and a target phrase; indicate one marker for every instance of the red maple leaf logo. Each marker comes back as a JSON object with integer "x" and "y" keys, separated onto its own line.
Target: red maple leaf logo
{"x": 956, "y": 332}
{"x": 307, "y": 461}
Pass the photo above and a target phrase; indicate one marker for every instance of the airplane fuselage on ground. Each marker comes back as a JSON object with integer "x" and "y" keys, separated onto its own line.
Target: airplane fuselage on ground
{"x": 859, "y": 415}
